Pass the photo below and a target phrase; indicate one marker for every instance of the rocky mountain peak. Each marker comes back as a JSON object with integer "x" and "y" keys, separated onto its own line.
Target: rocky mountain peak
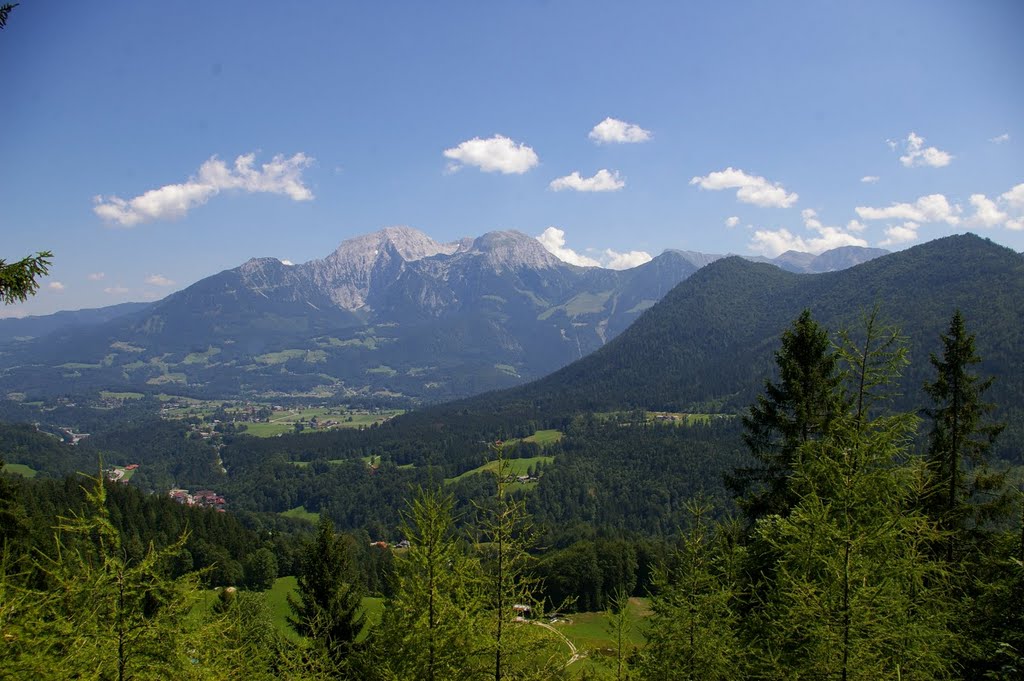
{"x": 513, "y": 250}
{"x": 408, "y": 243}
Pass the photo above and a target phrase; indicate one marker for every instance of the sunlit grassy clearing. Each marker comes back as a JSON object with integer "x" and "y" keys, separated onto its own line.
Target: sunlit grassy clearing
{"x": 301, "y": 513}
{"x": 21, "y": 469}
{"x": 515, "y": 466}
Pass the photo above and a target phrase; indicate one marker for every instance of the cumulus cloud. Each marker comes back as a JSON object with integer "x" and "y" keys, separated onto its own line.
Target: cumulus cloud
{"x": 749, "y": 188}
{"x": 870, "y": 179}
{"x": 494, "y": 154}
{"x": 115, "y": 290}
{"x": 158, "y": 280}
{"x": 931, "y": 208}
{"x": 624, "y": 261}
{"x": 900, "y": 234}
{"x": 173, "y": 201}
{"x": 732, "y": 221}
{"x": 1007, "y": 210}
{"x": 986, "y": 212}
{"x": 602, "y": 181}
{"x": 96, "y": 276}
{"x": 775, "y": 242}
{"x": 614, "y": 131}
{"x": 55, "y": 286}
{"x": 553, "y": 239}
{"x": 1000, "y": 139}
{"x": 1015, "y": 197}
{"x": 289, "y": 263}
{"x": 919, "y": 155}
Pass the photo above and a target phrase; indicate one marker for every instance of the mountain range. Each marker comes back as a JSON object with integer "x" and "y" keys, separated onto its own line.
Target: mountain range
{"x": 392, "y": 313}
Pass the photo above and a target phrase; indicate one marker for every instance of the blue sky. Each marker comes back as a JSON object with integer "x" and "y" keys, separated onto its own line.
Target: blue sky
{"x": 150, "y": 145}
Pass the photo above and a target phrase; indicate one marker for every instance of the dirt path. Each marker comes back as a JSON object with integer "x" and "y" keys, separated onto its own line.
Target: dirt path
{"x": 574, "y": 654}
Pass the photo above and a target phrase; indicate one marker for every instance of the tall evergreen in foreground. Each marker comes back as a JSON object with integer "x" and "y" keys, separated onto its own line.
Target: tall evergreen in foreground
{"x": 962, "y": 493}
{"x": 800, "y": 408}
{"x": 853, "y": 595}
{"x": 970, "y": 503}
{"x": 433, "y": 626}
{"x": 102, "y": 613}
{"x": 328, "y": 609}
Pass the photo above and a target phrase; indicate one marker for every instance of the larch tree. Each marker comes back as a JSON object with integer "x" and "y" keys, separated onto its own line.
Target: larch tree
{"x": 693, "y": 630}
{"x": 853, "y": 596}
{"x": 433, "y": 625}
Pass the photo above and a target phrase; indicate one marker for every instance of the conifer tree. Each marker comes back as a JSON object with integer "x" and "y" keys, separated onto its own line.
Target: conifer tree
{"x": 516, "y": 649}
{"x": 853, "y": 596}
{"x": 433, "y": 625}
{"x": 798, "y": 409}
{"x": 103, "y": 615}
{"x": 329, "y": 605}
{"x": 959, "y": 441}
{"x": 692, "y": 633}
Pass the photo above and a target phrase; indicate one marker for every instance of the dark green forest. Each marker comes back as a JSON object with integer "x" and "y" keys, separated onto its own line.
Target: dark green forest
{"x": 824, "y": 532}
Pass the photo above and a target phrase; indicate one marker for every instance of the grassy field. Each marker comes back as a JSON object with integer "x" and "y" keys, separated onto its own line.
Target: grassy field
{"x": 301, "y": 513}
{"x": 110, "y": 395}
{"x": 544, "y": 438}
{"x": 516, "y": 467}
{"x": 277, "y": 600}
{"x": 587, "y": 630}
{"x": 20, "y": 469}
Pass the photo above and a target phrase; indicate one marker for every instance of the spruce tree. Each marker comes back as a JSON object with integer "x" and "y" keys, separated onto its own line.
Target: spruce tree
{"x": 853, "y": 596}
{"x": 798, "y": 409}
{"x": 960, "y": 440}
{"x": 328, "y": 609}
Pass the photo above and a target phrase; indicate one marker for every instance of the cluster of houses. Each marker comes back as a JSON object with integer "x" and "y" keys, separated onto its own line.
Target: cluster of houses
{"x": 203, "y": 498}
{"x": 404, "y": 544}
{"x": 120, "y": 473}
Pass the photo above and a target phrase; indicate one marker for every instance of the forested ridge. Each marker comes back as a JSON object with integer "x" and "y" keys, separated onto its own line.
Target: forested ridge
{"x": 838, "y": 498}
{"x": 838, "y": 536}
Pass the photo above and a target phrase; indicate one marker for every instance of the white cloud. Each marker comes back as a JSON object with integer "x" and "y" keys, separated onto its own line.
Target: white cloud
{"x": 96, "y": 276}
{"x": 919, "y": 155}
{"x": 280, "y": 176}
{"x": 749, "y": 188}
{"x": 115, "y": 290}
{"x": 1000, "y": 139}
{"x": 870, "y": 179}
{"x": 289, "y": 263}
{"x": 775, "y": 242}
{"x": 986, "y": 212}
{"x": 931, "y": 208}
{"x": 553, "y": 239}
{"x": 1015, "y": 197}
{"x": 602, "y": 181}
{"x": 624, "y": 261}
{"x": 612, "y": 130}
{"x": 158, "y": 280}
{"x": 900, "y": 234}
{"x": 497, "y": 153}
{"x": 1017, "y": 224}
{"x": 732, "y": 221}
{"x": 55, "y": 286}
